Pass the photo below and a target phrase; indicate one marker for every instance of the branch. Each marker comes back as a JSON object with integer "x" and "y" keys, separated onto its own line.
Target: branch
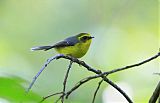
{"x": 98, "y": 72}
{"x": 79, "y": 84}
{"x": 65, "y": 81}
{"x": 131, "y": 66}
{"x": 124, "y": 68}
{"x": 95, "y": 93}
{"x": 118, "y": 89}
{"x": 105, "y": 79}
{"x": 110, "y": 72}
{"x": 64, "y": 87}
{"x": 155, "y": 94}
{"x": 44, "y": 98}
{"x": 37, "y": 75}
{"x": 88, "y": 79}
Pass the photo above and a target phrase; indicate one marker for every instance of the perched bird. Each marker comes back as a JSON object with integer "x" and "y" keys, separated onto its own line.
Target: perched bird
{"x": 75, "y": 46}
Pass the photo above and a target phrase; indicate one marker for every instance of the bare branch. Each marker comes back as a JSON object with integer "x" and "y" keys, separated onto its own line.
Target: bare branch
{"x": 118, "y": 89}
{"x": 59, "y": 98}
{"x": 37, "y": 75}
{"x": 105, "y": 79}
{"x": 95, "y": 93}
{"x": 155, "y": 94}
{"x": 131, "y": 66}
{"x": 79, "y": 84}
{"x": 65, "y": 81}
{"x": 108, "y": 72}
{"x": 98, "y": 72}
{"x": 44, "y": 98}
{"x": 72, "y": 89}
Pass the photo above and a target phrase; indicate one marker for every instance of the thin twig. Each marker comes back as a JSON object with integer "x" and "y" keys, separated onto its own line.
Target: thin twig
{"x": 118, "y": 89}
{"x": 44, "y": 66}
{"x": 105, "y": 79}
{"x": 65, "y": 81}
{"x": 108, "y": 72}
{"x": 64, "y": 87}
{"x": 59, "y": 98}
{"x": 131, "y": 66}
{"x": 155, "y": 94}
{"x": 79, "y": 84}
{"x": 44, "y": 98}
{"x": 98, "y": 72}
{"x": 95, "y": 93}
{"x": 80, "y": 63}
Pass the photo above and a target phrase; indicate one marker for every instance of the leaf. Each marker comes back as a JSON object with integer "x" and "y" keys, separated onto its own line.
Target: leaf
{"x": 12, "y": 91}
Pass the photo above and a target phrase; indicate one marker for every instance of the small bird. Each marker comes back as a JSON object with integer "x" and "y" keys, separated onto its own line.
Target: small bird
{"x": 75, "y": 46}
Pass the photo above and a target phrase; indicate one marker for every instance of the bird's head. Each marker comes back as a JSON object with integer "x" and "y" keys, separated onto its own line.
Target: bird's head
{"x": 84, "y": 37}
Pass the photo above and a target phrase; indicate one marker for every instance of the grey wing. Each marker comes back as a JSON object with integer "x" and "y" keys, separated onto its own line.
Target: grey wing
{"x": 71, "y": 41}
{"x": 63, "y": 43}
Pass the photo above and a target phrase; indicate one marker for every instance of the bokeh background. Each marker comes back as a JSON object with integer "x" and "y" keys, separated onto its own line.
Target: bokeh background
{"x": 125, "y": 31}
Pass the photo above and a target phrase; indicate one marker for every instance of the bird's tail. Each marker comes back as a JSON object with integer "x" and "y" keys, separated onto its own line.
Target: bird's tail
{"x": 42, "y": 48}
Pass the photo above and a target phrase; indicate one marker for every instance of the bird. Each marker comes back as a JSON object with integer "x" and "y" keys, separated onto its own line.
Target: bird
{"x": 75, "y": 46}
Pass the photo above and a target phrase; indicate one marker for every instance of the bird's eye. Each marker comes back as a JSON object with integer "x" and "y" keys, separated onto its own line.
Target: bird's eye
{"x": 85, "y": 38}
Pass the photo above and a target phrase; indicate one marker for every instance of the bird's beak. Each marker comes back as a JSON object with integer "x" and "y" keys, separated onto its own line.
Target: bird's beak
{"x": 91, "y": 37}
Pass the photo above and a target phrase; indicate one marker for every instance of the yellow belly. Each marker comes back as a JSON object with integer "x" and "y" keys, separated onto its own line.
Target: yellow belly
{"x": 77, "y": 51}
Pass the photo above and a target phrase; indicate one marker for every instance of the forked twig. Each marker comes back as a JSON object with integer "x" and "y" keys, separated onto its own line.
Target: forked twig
{"x": 44, "y": 98}
{"x": 96, "y": 71}
{"x": 79, "y": 84}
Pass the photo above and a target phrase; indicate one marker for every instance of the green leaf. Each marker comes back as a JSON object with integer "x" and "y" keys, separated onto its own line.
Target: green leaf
{"x": 12, "y": 91}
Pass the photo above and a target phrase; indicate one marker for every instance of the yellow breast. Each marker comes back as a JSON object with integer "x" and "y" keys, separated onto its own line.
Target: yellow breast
{"x": 77, "y": 51}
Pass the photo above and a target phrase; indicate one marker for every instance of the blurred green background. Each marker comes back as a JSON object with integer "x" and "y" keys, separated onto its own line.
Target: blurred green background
{"x": 125, "y": 31}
